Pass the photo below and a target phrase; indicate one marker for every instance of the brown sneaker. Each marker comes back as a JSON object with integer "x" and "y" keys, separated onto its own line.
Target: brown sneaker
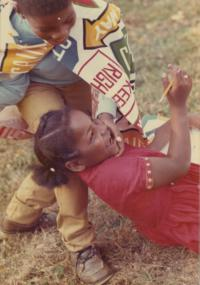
{"x": 90, "y": 268}
{"x": 10, "y": 227}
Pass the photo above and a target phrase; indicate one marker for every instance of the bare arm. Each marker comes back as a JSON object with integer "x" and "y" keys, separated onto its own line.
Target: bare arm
{"x": 162, "y": 136}
{"x": 176, "y": 164}
{"x": 162, "y": 133}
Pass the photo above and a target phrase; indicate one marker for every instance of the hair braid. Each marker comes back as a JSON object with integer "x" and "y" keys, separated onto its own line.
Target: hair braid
{"x": 53, "y": 147}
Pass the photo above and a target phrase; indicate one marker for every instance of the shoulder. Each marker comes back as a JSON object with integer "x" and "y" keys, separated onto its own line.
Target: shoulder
{"x": 119, "y": 179}
{"x": 124, "y": 170}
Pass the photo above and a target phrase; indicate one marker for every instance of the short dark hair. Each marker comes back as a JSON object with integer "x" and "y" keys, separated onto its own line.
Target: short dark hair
{"x": 42, "y": 7}
{"x": 54, "y": 146}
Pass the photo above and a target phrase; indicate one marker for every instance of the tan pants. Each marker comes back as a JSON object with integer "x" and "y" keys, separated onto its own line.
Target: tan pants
{"x": 29, "y": 200}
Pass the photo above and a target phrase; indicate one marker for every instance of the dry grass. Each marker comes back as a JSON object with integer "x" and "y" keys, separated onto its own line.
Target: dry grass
{"x": 160, "y": 32}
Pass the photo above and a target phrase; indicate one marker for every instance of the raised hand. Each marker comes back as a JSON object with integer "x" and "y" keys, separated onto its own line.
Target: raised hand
{"x": 108, "y": 121}
{"x": 181, "y": 87}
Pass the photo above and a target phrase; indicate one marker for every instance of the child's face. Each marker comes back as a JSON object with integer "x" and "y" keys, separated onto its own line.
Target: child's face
{"x": 93, "y": 138}
{"x": 53, "y": 28}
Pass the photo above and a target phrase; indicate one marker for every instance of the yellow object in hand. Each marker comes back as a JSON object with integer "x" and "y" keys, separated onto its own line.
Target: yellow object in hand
{"x": 166, "y": 91}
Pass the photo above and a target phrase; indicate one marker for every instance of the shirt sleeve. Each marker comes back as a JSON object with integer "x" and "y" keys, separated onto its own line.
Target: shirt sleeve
{"x": 12, "y": 88}
{"x": 106, "y": 105}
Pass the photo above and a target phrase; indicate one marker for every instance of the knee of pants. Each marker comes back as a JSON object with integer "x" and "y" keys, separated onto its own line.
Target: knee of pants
{"x": 39, "y": 99}
{"x": 32, "y": 194}
{"x": 21, "y": 213}
{"x": 78, "y": 96}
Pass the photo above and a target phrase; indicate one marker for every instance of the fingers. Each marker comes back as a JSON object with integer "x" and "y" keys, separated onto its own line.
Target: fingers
{"x": 120, "y": 146}
{"x": 165, "y": 80}
{"x": 177, "y": 73}
{"x": 114, "y": 130}
{"x": 186, "y": 78}
{"x": 179, "y": 77}
{"x": 115, "y": 133}
{"x": 180, "y": 85}
{"x": 118, "y": 137}
{"x": 174, "y": 73}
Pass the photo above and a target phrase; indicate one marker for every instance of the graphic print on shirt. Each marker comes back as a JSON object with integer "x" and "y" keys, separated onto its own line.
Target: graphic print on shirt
{"x": 3, "y": 3}
{"x": 108, "y": 77}
{"x": 67, "y": 53}
{"x": 124, "y": 55}
{"x": 96, "y": 31}
{"x": 21, "y": 59}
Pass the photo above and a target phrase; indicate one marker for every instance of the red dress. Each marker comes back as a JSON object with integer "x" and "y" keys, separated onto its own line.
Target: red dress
{"x": 167, "y": 215}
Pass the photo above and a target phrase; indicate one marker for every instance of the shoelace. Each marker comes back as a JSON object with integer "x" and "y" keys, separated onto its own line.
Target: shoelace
{"x": 86, "y": 254}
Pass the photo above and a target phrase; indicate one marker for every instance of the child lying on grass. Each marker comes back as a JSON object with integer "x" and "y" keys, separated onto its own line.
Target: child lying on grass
{"x": 160, "y": 193}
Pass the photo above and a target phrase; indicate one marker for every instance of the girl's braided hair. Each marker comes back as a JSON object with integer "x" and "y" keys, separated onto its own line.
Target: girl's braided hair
{"x": 53, "y": 146}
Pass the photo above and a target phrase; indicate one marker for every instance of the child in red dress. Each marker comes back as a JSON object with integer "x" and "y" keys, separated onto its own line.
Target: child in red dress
{"x": 160, "y": 193}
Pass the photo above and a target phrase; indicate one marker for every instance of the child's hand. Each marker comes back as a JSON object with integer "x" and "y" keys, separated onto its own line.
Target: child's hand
{"x": 108, "y": 121}
{"x": 182, "y": 85}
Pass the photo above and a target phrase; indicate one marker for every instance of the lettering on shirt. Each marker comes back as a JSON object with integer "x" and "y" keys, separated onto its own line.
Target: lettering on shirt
{"x": 123, "y": 54}
{"x": 123, "y": 94}
{"x": 21, "y": 59}
{"x": 109, "y": 78}
{"x": 67, "y": 53}
{"x": 64, "y": 47}
{"x": 106, "y": 78}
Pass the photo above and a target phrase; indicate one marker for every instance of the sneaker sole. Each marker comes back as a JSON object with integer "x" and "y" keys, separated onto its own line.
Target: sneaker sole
{"x": 103, "y": 281}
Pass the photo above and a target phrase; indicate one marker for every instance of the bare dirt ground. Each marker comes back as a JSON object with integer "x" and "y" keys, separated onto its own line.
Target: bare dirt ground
{"x": 160, "y": 32}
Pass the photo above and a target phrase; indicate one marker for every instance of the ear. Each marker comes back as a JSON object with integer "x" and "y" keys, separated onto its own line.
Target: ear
{"x": 75, "y": 165}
